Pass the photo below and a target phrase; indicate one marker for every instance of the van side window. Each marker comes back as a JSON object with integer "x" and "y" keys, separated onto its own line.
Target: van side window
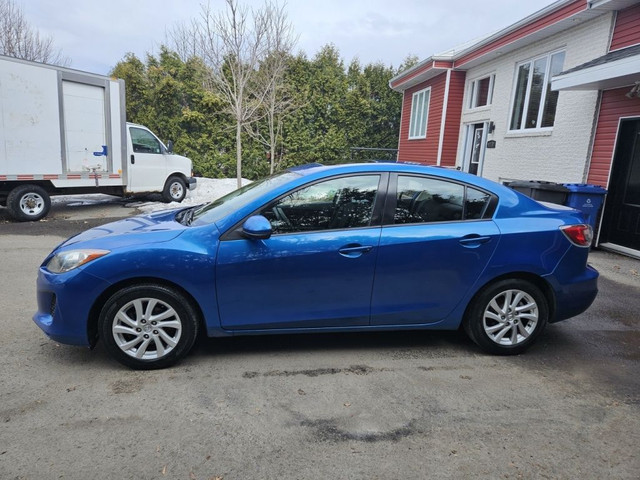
{"x": 144, "y": 142}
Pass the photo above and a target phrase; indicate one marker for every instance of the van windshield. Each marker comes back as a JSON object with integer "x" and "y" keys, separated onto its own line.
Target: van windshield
{"x": 223, "y": 206}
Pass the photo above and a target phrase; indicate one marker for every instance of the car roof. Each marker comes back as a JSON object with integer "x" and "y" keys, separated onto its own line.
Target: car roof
{"x": 317, "y": 169}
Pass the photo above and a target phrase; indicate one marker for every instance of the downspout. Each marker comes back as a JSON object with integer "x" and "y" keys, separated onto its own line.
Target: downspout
{"x": 444, "y": 116}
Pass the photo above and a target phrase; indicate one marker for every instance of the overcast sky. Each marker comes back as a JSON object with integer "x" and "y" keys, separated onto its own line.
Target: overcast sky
{"x": 97, "y": 34}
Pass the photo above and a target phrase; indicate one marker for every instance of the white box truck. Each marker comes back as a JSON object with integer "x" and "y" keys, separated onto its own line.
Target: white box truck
{"x": 64, "y": 132}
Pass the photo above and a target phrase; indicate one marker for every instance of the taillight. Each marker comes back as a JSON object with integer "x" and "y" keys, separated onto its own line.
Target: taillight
{"x": 580, "y": 235}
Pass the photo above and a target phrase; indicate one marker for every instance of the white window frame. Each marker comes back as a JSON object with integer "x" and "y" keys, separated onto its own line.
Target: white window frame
{"x": 473, "y": 91}
{"x": 543, "y": 97}
{"x": 418, "y": 120}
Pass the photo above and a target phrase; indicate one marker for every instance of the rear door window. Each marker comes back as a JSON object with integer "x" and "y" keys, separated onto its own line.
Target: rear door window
{"x": 427, "y": 200}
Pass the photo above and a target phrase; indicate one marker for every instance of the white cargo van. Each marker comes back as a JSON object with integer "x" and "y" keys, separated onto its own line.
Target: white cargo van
{"x": 64, "y": 131}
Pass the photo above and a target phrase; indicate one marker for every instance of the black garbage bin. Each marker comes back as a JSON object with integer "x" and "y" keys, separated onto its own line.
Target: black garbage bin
{"x": 540, "y": 190}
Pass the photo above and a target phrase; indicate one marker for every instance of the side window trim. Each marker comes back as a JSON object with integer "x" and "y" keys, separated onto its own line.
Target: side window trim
{"x": 235, "y": 232}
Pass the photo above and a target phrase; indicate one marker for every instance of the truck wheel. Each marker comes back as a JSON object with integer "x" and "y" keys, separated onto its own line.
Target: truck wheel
{"x": 28, "y": 203}
{"x": 175, "y": 190}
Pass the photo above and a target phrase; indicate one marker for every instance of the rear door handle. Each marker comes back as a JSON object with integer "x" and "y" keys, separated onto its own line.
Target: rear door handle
{"x": 354, "y": 251}
{"x": 473, "y": 240}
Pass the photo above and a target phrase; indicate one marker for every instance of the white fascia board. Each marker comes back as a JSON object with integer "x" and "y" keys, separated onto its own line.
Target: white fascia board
{"x": 409, "y": 71}
{"x": 598, "y": 76}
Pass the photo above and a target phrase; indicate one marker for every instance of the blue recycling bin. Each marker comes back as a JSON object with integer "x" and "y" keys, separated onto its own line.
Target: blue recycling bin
{"x": 586, "y": 198}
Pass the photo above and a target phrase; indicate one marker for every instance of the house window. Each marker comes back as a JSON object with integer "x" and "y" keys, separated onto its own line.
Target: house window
{"x": 419, "y": 113}
{"x": 481, "y": 92}
{"x": 534, "y": 103}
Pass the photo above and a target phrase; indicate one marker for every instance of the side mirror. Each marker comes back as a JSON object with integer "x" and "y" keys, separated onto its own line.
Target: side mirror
{"x": 170, "y": 146}
{"x": 257, "y": 228}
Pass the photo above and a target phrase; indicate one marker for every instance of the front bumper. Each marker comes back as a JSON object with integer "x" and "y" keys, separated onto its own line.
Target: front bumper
{"x": 192, "y": 183}
{"x": 64, "y": 304}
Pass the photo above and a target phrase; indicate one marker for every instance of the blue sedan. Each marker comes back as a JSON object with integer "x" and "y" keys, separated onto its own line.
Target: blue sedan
{"x": 323, "y": 249}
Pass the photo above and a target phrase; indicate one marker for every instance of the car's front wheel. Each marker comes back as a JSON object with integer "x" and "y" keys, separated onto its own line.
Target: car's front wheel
{"x": 148, "y": 326}
{"x": 507, "y": 316}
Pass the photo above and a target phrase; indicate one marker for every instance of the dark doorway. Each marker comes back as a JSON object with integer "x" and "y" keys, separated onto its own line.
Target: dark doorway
{"x": 621, "y": 221}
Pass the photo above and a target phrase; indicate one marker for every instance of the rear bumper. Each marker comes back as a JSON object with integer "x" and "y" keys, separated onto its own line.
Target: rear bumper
{"x": 574, "y": 298}
{"x": 192, "y": 183}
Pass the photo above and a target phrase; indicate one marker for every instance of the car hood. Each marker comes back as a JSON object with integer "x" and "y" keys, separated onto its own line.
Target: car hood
{"x": 153, "y": 228}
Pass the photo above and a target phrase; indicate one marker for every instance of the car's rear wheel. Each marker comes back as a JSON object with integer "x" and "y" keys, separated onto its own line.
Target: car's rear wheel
{"x": 148, "y": 326}
{"x": 506, "y": 317}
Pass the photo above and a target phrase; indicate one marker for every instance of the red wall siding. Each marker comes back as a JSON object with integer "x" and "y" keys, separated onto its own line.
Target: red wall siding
{"x": 627, "y": 29}
{"x": 454, "y": 117}
{"x": 614, "y": 105}
{"x": 424, "y": 150}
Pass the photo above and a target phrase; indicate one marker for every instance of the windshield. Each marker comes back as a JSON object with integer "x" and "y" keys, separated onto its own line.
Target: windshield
{"x": 223, "y": 206}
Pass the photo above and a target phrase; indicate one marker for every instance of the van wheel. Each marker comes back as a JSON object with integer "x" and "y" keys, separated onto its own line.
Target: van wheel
{"x": 175, "y": 190}
{"x": 28, "y": 203}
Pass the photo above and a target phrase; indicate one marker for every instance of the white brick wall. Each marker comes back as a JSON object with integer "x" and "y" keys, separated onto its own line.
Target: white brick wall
{"x": 559, "y": 155}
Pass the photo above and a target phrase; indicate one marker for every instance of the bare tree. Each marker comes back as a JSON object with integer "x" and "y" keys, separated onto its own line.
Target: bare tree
{"x": 245, "y": 52}
{"x": 18, "y": 39}
{"x": 232, "y": 45}
{"x": 270, "y": 81}
{"x": 184, "y": 37}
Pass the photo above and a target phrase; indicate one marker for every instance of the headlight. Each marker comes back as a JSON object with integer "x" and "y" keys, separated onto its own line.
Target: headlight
{"x": 65, "y": 261}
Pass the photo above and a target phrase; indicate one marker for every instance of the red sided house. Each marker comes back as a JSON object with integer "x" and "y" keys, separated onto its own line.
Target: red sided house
{"x": 555, "y": 96}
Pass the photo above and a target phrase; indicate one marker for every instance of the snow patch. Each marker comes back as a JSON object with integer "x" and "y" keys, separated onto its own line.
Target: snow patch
{"x": 207, "y": 190}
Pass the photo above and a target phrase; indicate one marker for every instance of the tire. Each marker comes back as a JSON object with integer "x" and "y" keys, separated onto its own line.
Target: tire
{"x": 174, "y": 190}
{"x": 28, "y": 203}
{"x": 506, "y": 317}
{"x": 126, "y": 324}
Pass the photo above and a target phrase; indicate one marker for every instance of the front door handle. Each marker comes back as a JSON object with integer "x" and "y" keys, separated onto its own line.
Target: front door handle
{"x": 354, "y": 250}
{"x": 133, "y": 159}
{"x": 474, "y": 240}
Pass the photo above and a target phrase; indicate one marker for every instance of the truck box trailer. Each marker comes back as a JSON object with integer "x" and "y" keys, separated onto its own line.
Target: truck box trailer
{"x": 64, "y": 131}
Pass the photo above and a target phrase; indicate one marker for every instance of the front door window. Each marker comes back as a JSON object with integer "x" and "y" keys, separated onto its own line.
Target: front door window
{"x": 144, "y": 142}
{"x": 339, "y": 203}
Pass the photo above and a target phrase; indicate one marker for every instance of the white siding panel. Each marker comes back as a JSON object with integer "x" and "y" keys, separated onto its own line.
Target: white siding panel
{"x": 559, "y": 155}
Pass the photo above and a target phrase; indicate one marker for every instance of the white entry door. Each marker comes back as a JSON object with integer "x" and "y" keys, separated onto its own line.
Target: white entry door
{"x": 475, "y": 146}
